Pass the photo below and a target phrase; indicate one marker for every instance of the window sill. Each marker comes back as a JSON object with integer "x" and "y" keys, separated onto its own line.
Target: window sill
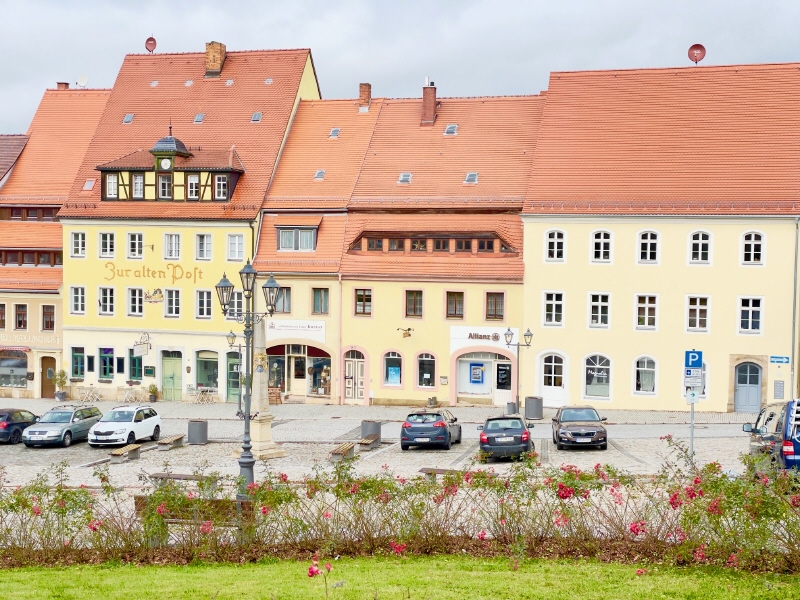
{"x": 135, "y": 314}
{"x": 76, "y": 380}
{"x": 601, "y": 262}
{"x": 552, "y": 324}
{"x": 105, "y": 381}
{"x": 322, "y": 314}
{"x": 362, "y": 315}
{"x": 650, "y": 394}
{"x": 749, "y": 332}
{"x": 204, "y": 258}
{"x": 752, "y": 264}
{"x": 593, "y": 326}
{"x": 455, "y": 317}
{"x": 172, "y": 316}
{"x": 204, "y": 317}
{"x": 700, "y": 262}
{"x": 645, "y": 328}
{"x": 554, "y": 260}
{"x": 135, "y": 257}
{"x": 697, "y": 331}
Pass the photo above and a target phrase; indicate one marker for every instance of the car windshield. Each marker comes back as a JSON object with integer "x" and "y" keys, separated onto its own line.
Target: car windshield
{"x": 56, "y": 417}
{"x": 579, "y": 414}
{"x": 118, "y": 416}
{"x": 501, "y": 424}
{"x": 424, "y": 418}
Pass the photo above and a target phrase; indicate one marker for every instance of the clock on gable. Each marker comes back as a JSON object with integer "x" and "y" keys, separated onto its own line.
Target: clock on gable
{"x": 166, "y": 164}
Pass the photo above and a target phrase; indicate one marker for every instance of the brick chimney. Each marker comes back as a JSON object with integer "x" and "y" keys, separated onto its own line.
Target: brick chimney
{"x": 62, "y": 85}
{"x": 215, "y": 58}
{"x": 428, "y": 104}
{"x": 364, "y": 96}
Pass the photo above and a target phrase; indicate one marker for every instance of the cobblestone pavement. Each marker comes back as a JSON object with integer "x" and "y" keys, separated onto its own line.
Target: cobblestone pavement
{"x": 310, "y": 432}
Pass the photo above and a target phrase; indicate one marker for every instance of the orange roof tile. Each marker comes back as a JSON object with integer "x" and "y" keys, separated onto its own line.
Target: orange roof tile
{"x": 31, "y": 235}
{"x": 496, "y": 138}
{"x": 301, "y": 220}
{"x": 10, "y": 148}
{"x": 60, "y": 133}
{"x": 325, "y": 259}
{"x": 22, "y": 279}
{"x": 158, "y": 88}
{"x": 310, "y": 147}
{"x": 717, "y": 140}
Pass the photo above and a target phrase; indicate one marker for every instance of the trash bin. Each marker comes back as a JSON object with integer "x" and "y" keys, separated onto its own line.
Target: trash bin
{"x": 533, "y": 407}
{"x": 511, "y": 408}
{"x": 198, "y": 431}
{"x": 370, "y": 427}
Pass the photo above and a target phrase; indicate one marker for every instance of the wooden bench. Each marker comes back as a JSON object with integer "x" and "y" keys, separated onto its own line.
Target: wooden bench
{"x": 168, "y": 443}
{"x": 175, "y": 476}
{"x": 370, "y": 442}
{"x": 221, "y": 512}
{"x": 342, "y": 451}
{"x": 430, "y": 473}
{"x": 129, "y": 452}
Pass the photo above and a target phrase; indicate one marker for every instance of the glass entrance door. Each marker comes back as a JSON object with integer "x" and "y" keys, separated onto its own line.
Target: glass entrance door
{"x": 233, "y": 376}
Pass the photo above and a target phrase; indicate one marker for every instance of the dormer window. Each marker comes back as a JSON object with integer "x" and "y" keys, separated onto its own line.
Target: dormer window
{"x": 220, "y": 187}
{"x": 451, "y": 130}
{"x": 112, "y": 180}
{"x": 319, "y": 175}
{"x": 193, "y": 186}
{"x": 404, "y": 178}
{"x": 127, "y": 119}
{"x": 164, "y": 187}
{"x": 471, "y": 177}
{"x": 297, "y": 239}
{"x": 335, "y": 132}
{"x": 137, "y": 183}
{"x": 198, "y": 118}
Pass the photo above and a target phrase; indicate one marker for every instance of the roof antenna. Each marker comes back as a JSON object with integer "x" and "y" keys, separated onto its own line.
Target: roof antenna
{"x": 697, "y": 52}
{"x": 170, "y": 127}
{"x": 150, "y": 44}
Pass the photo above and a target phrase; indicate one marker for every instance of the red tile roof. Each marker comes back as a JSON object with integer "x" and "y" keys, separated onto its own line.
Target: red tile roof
{"x": 10, "y": 148}
{"x": 23, "y": 279}
{"x": 325, "y": 259}
{"x": 20, "y": 235}
{"x": 697, "y": 140}
{"x": 207, "y": 159}
{"x": 60, "y": 133}
{"x": 162, "y": 87}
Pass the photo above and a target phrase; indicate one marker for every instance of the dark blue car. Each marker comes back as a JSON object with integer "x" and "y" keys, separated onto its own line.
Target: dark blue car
{"x": 775, "y": 434}
{"x": 12, "y": 422}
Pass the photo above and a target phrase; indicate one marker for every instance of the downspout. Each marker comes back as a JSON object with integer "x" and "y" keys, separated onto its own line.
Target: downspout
{"x": 341, "y": 356}
{"x": 252, "y": 240}
{"x": 794, "y": 308}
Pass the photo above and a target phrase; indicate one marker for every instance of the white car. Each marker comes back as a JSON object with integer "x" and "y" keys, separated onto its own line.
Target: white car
{"x": 126, "y": 425}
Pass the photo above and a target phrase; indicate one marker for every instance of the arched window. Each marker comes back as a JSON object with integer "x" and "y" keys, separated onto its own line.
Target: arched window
{"x": 752, "y": 249}
{"x": 598, "y": 376}
{"x": 392, "y": 369}
{"x": 700, "y": 251}
{"x": 426, "y": 371}
{"x": 555, "y": 246}
{"x": 645, "y": 375}
{"x": 648, "y": 247}
{"x": 354, "y": 354}
{"x": 553, "y": 371}
{"x": 601, "y": 246}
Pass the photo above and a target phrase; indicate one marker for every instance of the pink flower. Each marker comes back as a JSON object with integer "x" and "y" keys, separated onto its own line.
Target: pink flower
{"x": 502, "y": 521}
{"x": 699, "y": 554}
{"x": 265, "y": 510}
{"x": 161, "y": 509}
{"x": 326, "y": 515}
{"x": 795, "y": 500}
{"x": 328, "y": 567}
{"x": 714, "y": 506}
{"x": 675, "y": 500}
{"x": 733, "y": 560}
{"x": 585, "y": 493}
{"x": 192, "y": 495}
{"x": 565, "y": 492}
{"x": 482, "y": 535}
{"x": 284, "y": 478}
{"x": 66, "y": 542}
{"x": 252, "y": 488}
{"x": 384, "y": 467}
{"x": 354, "y": 488}
{"x": 206, "y": 527}
{"x": 36, "y": 510}
{"x": 560, "y": 519}
{"x": 397, "y": 548}
{"x": 638, "y": 528}
{"x": 313, "y": 571}
{"x": 95, "y": 525}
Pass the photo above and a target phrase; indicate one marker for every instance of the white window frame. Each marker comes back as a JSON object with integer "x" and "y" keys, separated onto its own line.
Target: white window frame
{"x": 739, "y": 301}
{"x": 206, "y": 254}
{"x": 239, "y": 237}
{"x": 110, "y": 307}
{"x": 172, "y": 246}
{"x": 162, "y": 177}
{"x": 192, "y": 179}
{"x": 132, "y": 303}
{"x": 647, "y": 305}
{"x": 690, "y": 245}
{"x": 762, "y": 241}
{"x": 592, "y": 241}
{"x": 80, "y": 238}
{"x": 77, "y": 291}
{"x": 600, "y": 303}
{"x": 283, "y": 294}
{"x": 134, "y": 178}
{"x": 172, "y": 303}
{"x": 139, "y": 243}
{"x": 220, "y": 187}
{"x": 198, "y": 314}
{"x": 113, "y": 242}
{"x": 236, "y": 305}
{"x": 688, "y": 307}
{"x": 584, "y": 395}
{"x": 640, "y": 241}
{"x": 555, "y": 241}
{"x": 424, "y": 356}
{"x": 655, "y": 376}
{"x": 112, "y": 177}
{"x": 554, "y": 301}
{"x": 296, "y": 235}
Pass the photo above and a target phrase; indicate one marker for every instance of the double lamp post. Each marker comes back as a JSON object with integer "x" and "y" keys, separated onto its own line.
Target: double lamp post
{"x": 249, "y": 318}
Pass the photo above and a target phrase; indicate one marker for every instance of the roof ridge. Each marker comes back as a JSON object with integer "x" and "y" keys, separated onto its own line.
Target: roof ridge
{"x": 227, "y": 52}
{"x": 691, "y": 68}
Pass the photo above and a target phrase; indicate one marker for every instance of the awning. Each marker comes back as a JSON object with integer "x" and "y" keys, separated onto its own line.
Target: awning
{"x": 15, "y": 348}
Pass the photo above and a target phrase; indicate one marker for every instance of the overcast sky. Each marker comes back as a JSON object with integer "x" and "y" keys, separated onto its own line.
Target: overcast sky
{"x": 467, "y": 47}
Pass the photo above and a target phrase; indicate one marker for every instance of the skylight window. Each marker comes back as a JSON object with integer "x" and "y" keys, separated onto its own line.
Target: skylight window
{"x": 471, "y": 178}
{"x": 335, "y": 132}
{"x": 320, "y": 174}
{"x": 89, "y": 185}
{"x": 404, "y": 178}
{"x": 154, "y": 83}
{"x": 198, "y": 118}
{"x": 127, "y": 119}
{"x": 451, "y": 130}
{"x": 268, "y": 81}
{"x": 229, "y": 82}
{"x": 256, "y": 117}
{"x": 188, "y": 83}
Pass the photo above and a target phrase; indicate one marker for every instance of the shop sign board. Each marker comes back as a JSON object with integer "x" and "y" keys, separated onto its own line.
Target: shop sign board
{"x": 281, "y": 329}
{"x": 467, "y": 337}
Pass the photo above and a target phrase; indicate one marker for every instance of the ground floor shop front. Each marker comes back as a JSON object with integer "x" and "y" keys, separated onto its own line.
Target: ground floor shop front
{"x": 28, "y": 372}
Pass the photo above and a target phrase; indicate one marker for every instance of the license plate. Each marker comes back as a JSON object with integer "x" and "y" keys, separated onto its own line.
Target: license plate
{"x": 102, "y": 437}
{"x": 583, "y": 440}
{"x": 37, "y": 437}
{"x": 504, "y": 439}
{"x": 422, "y": 439}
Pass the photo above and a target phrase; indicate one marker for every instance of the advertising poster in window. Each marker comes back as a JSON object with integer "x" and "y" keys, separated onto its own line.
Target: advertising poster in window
{"x": 393, "y": 375}
{"x": 476, "y": 371}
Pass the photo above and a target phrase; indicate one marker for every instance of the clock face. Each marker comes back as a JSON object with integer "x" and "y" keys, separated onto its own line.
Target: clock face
{"x": 165, "y": 163}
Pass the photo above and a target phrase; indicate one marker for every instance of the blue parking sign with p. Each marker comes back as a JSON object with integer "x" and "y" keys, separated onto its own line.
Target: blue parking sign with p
{"x": 694, "y": 359}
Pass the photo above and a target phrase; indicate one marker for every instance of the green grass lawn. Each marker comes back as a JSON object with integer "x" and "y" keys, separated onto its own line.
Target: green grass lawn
{"x": 439, "y": 578}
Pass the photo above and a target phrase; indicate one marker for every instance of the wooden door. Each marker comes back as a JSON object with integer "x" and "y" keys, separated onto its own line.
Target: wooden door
{"x": 48, "y": 369}
{"x": 171, "y": 379}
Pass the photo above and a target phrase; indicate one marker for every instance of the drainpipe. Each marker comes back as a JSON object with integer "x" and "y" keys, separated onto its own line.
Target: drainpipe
{"x": 794, "y": 307}
{"x": 340, "y": 359}
{"x": 252, "y": 241}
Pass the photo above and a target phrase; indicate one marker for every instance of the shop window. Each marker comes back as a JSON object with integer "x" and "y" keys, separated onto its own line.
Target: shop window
{"x": 598, "y": 376}
{"x": 426, "y": 369}
{"x": 392, "y": 369}
{"x": 495, "y": 306}
{"x": 414, "y": 303}
{"x": 20, "y": 316}
{"x": 106, "y": 363}
{"x": 646, "y": 375}
{"x": 134, "y": 366}
{"x": 455, "y": 305}
{"x": 363, "y": 302}
{"x": 207, "y": 369}
{"x": 77, "y": 362}
{"x": 13, "y": 368}
{"x": 320, "y": 301}
{"x": 48, "y": 317}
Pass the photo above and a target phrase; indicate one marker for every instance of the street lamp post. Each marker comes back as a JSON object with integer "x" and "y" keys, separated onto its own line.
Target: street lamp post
{"x": 231, "y": 338}
{"x": 528, "y": 337}
{"x": 249, "y": 319}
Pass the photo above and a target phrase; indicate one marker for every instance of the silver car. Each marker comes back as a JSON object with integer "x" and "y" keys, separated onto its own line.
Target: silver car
{"x": 61, "y": 426}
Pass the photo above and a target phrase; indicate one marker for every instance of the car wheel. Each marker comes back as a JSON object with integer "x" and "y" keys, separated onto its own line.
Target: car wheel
{"x": 559, "y": 446}
{"x": 458, "y": 441}
{"x": 156, "y": 434}
{"x": 27, "y": 445}
{"x": 604, "y": 446}
{"x": 555, "y": 440}
{"x": 532, "y": 448}
{"x": 131, "y": 438}
{"x": 448, "y": 443}
{"x": 404, "y": 447}
{"x": 15, "y": 437}
{"x": 67, "y": 441}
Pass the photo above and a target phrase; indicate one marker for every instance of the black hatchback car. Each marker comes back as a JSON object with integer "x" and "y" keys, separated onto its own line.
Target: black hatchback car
{"x": 430, "y": 428}
{"x": 12, "y": 422}
{"x": 505, "y": 436}
{"x": 579, "y": 426}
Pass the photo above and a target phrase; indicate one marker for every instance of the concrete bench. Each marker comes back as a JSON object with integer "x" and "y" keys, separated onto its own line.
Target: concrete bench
{"x": 129, "y": 452}
{"x": 176, "y": 476}
{"x": 370, "y": 442}
{"x": 342, "y": 451}
{"x": 174, "y": 441}
{"x": 431, "y": 473}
